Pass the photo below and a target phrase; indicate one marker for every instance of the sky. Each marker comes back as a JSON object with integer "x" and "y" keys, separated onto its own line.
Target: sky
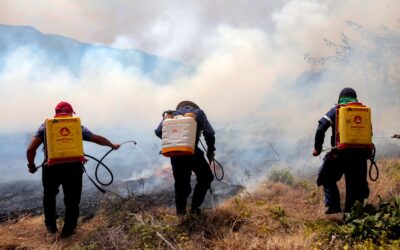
{"x": 251, "y": 72}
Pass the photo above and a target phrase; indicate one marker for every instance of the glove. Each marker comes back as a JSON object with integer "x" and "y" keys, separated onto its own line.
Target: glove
{"x": 32, "y": 168}
{"x": 210, "y": 156}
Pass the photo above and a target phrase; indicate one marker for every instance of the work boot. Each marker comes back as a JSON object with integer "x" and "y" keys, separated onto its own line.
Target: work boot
{"x": 51, "y": 228}
{"x": 195, "y": 211}
{"x": 333, "y": 210}
{"x": 180, "y": 220}
{"x": 67, "y": 232}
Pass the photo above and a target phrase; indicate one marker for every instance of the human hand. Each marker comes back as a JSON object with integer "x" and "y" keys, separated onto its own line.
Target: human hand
{"x": 32, "y": 168}
{"x": 116, "y": 146}
{"x": 316, "y": 152}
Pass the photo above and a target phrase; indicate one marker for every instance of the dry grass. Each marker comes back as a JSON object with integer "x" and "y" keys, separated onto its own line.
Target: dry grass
{"x": 30, "y": 233}
{"x": 388, "y": 183}
{"x": 275, "y": 216}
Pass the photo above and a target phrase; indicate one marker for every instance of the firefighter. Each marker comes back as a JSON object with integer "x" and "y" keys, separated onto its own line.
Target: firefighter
{"x": 182, "y": 166}
{"x": 68, "y": 175}
{"x": 350, "y": 162}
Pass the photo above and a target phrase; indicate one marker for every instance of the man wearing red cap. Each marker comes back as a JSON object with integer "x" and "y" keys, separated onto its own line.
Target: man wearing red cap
{"x": 69, "y": 175}
{"x": 64, "y": 108}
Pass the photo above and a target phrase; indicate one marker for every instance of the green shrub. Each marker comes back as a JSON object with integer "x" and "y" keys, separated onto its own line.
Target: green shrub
{"x": 362, "y": 228}
{"x": 381, "y": 224}
{"x": 281, "y": 175}
{"x": 278, "y": 213}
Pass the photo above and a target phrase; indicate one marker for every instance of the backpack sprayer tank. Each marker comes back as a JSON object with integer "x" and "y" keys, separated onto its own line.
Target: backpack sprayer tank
{"x": 64, "y": 141}
{"x": 353, "y": 126}
{"x": 178, "y": 135}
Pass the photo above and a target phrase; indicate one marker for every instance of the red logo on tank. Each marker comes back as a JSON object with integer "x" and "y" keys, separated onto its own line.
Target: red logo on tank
{"x": 357, "y": 119}
{"x": 64, "y": 131}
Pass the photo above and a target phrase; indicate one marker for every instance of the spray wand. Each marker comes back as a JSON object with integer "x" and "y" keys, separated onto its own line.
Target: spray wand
{"x": 395, "y": 136}
{"x": 214, "y": 162}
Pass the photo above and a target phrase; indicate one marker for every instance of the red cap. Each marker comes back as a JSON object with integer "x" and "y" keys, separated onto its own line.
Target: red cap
{"x": 64, "y": 108}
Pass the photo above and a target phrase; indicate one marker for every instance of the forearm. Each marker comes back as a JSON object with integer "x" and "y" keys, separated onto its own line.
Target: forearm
{"x": 158, "y": 130}
{"x": 319, "y": 139}
{"x": 30, "y": 155}
{"x": 210, "y": 141}
{"x": 101, "y": 140}
{"x": 323, "y": 126}
{"x": 98, "y": 139}
{"x": 31, "y": 151}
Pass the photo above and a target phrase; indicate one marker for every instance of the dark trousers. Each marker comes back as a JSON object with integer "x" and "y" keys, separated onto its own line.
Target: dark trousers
{"x": 69, "y": 176}
{"x": 182, "y": 167}
{"x": 353, "y": 164}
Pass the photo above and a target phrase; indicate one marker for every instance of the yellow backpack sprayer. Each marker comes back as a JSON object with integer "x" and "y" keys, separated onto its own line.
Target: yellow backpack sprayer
{"x": 354, "y": 130}
{"x": 64, "y": 143}
{"x": 353, "y": 126}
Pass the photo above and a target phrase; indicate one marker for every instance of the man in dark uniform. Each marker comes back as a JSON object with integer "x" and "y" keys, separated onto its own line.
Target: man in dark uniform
{"x": 182, "y": 166}
{"x": 69, "y": 175}
{"x": 351, "y": 162}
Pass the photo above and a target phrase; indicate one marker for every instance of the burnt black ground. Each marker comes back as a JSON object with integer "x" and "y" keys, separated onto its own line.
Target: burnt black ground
{"x": 25, "y": 197}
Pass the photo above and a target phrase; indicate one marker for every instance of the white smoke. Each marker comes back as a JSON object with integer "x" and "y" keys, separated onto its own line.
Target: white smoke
{"x": 250, "y": 78}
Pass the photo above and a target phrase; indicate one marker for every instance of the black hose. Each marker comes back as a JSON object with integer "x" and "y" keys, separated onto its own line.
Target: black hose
{"x": 214, "y": 162}
{"x": 94, "y": 183}
{"x": 373, "y": 163}
{"x": 100, "y": 162}
{"x": 44, "y": 164}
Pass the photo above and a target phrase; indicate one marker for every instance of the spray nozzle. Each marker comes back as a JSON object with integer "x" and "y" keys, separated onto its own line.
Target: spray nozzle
{"x": 131, "y": 141}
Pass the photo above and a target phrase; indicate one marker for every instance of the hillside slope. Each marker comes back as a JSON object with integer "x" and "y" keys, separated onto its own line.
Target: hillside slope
{"x": 275, "y": 216}
{"x": 62, "y": 52}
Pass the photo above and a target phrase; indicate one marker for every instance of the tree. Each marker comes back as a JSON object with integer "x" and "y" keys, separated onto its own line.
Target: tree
{"x": 379, "y": 50}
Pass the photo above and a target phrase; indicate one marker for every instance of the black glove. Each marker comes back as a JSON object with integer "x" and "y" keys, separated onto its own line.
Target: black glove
{"x": 210, "y": 156}
{"x": 32, "y": 168}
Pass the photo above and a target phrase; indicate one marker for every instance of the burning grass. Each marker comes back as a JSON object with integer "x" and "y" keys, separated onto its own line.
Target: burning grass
{"x": 275, "y": 216}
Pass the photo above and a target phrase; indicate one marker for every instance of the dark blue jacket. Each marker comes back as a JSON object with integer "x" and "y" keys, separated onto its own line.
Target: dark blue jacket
{"x": 202, "y": 125}
{"x": 328, "y": 120}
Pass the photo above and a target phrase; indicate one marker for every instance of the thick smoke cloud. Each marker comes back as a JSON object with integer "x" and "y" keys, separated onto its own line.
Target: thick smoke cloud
{"x": 165, "y": 28}
{"x": 178, "y": 29}
{"x": 251, "y": 77}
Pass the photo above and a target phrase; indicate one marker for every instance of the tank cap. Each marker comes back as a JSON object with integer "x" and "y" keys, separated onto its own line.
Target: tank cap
{"x": 190, "y": 114}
